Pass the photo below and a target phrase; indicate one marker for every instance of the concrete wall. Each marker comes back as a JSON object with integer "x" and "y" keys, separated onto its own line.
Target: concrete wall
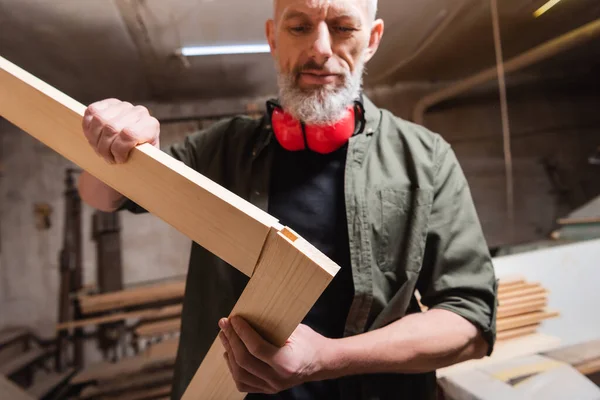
{"x": 547, "y": 127}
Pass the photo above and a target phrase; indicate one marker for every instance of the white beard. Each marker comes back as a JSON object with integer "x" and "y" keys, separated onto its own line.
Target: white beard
{"x": 321, "y": 106}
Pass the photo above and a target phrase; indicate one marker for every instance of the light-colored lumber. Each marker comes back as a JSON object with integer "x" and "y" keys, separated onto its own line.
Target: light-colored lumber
{"x": 144, "y": 394}
{"x": 524, "y": 319}
{"x": 531, "y": 290}
{"x": 521, "y": 308}
{"x": 523, "y": 299}
{"x": 12, "y": 334}
{"x": 164, "y": 312}
{"x": 157, "y": 356}
{"x": 143, "y": 380}
{"x": 158, "y": 327}
{"x": 9, "y": 390}
{"x": 288, "y": 280}
{"x": 517, "y": 332}
{"x": 44, "y": 385}
{"x": 215, "y": 218}
{"x": 514, "y": 288}
{"x": 577, "y": 221}
{"x": 578, "y": 353}
{"x": 511, "y": 280}
{"x": 166, "y": 348}
{"x": 585, "y": 357}
{"x": 589, "y": 367}
{"x": 23, "y": 361}
{"x": 131, "y": 297}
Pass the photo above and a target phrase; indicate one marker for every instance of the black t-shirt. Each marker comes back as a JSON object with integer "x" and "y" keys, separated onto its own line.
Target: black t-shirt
{"x": 307, "y": 194}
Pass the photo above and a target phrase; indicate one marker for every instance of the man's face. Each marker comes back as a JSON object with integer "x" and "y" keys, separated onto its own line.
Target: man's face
{"x": 320, "y": 48}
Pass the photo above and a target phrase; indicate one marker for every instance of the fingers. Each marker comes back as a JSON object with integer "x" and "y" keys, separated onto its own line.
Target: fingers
{"x": 132, "y": 135}
{"x": 119, "y": 118}
{"x": 244, "y": 380}
{"x": 113, "y": 128}
{"x": 255, "y": 344}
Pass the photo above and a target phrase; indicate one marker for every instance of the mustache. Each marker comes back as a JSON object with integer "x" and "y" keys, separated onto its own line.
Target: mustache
{"x": 312, "y": 65}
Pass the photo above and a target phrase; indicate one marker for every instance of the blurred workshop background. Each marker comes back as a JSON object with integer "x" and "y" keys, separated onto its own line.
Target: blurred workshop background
{"x": 87, "y": 298}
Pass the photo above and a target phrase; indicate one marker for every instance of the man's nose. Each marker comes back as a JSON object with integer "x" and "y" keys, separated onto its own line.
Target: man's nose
{"x": 321, "y": 47}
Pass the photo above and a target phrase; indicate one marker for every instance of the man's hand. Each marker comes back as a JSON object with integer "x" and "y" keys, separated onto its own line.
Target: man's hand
{"x": 113, "y": 128}
{"x": 259, "y": 367}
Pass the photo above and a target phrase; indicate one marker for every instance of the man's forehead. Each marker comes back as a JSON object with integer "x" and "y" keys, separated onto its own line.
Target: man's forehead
{"x": 318, "y": 6}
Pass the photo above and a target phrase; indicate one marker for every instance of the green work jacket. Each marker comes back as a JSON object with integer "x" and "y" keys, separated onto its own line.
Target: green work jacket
{"x": 412, "y": 226}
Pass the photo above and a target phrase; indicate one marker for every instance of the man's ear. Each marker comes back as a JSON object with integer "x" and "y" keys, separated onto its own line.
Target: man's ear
{"x": 270, "y": 33}
{"x": 375, "y": 38}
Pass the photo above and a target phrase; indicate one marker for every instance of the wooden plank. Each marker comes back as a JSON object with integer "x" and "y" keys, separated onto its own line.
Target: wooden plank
{"x": 514, "y": 288}
{"x": 290, "y": 277}
{"x": 524, "y": 320}
{"x": 158, "y": 356}
{"x": 578, "y": 221}
{"x": 507, "y": 281}
{"x": 517, "y": 332}
{"x": 578, "y": 353}
{"x": 9, "y": 390}
{"x": 43, "y": 386}
{"x": 144, "y": 394}
{"x": 215, "y": 218}
{"x": 535, "y": 289}
{"x": 524, "y": 299}
{"x": 589, "y": 367}
{"x": 521, "y": 308}
{"x": 23, "y": 361}
{"x": 131, "y": 297}
{"x": 158, "y": 328}
{"x": 169, "y": 311}
{"x": 144, "y": 380}
{"x": 13, "y": 334}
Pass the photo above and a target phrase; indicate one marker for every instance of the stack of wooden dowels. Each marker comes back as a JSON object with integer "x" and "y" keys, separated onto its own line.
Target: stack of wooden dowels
{"x": 522, "y": 306}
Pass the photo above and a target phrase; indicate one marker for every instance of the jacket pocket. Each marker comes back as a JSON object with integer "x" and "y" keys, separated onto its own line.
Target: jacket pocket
{"x": 400, "y": 228}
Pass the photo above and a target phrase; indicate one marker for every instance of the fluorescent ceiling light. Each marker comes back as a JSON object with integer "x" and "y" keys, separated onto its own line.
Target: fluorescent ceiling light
{"x": 545, "y": 7}
{"x": 218, "y": 50}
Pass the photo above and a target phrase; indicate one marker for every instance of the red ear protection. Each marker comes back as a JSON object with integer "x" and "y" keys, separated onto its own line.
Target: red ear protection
{"x": 294, "y": 135}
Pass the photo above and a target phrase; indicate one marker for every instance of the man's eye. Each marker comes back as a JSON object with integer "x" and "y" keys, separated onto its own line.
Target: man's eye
{"x": 299, "y": 29}
{"x": 344, "y": 29}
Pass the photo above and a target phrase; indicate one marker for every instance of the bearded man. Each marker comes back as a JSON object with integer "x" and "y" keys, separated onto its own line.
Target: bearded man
{"x": 382, "y": 197}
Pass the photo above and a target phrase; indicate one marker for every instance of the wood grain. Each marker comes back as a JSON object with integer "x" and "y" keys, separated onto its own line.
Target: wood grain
{"x": 524, "y": 320}
{"x": 170, "y": 311}
{"x": 523, "y": 299}
{"x": 513, "y": 288}
{"x": 517, "y": 332}
{"x": 157, "y": 356}
{"x": 128, "y": 384}
{"x": 223, "y": 223}
{"x": 521, "y": 308}
{"x": 131, "y": 297}
{"x": 290, "y": 277}
{"x": 158, "y": 328}
{"x": 530, "y": 290}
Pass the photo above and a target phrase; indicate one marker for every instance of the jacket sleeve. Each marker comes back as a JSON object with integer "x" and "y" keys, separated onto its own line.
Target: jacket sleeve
{"x": 457, "y": 273}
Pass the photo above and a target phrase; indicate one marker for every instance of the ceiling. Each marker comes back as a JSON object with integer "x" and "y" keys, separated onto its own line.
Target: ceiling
{"x": 93, "y": 49}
